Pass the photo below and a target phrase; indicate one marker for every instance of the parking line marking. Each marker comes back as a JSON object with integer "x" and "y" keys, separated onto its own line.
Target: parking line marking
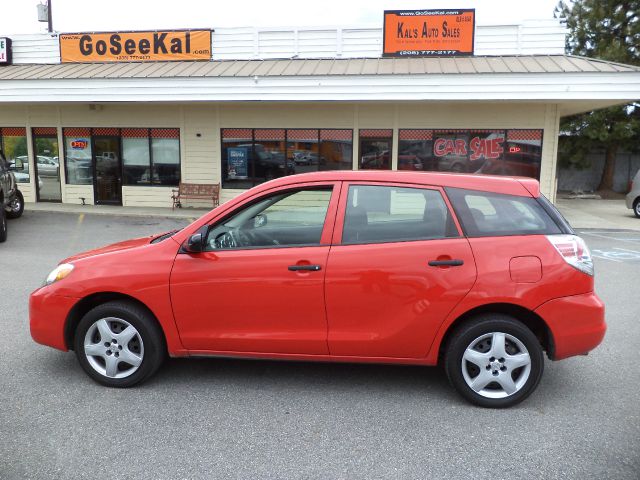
{"x": 80, "y": 218}
{"x": 606, "y": 237}
{"x": 626, "y": 250}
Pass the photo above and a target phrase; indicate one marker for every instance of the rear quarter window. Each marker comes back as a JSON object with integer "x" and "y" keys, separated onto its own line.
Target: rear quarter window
{"x": 486, "y": 214}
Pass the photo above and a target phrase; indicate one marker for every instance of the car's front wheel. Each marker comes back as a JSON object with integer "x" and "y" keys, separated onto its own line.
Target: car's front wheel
{"x": 119, "y": 344}
{"x": 494, "y": 361}
{"x": 636, "y": 207}
{"x": 16, "y": 207}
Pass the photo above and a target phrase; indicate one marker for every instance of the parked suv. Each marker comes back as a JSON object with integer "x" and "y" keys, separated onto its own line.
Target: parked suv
{"x": 11, "y": 199}
{"x": 633, "y": 197}
{"x": 479, "y": 274}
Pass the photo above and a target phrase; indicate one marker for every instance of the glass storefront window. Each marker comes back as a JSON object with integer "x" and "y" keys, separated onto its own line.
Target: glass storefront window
{"x": 237, "y": 151}
{"x": 375, "y": 149}
{"x": 136, "y": 159}
{"x": 14, "y": 146}
{"x": 252, "y": 156}
{"x": 269, "y": 159}
{"x": 494, "y": 152}
{"x": 77, "y": 156}
{"x": 165, "y": 156}
{"x": 336, "y": 150}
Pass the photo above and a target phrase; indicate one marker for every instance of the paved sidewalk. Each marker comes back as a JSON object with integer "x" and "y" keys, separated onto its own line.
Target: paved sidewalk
{"x": 161, "y": 212}
{"x": 581, "y": 213}
{"x": 589, "y": 213}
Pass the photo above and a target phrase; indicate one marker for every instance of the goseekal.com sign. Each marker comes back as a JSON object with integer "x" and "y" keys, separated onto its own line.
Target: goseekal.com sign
{"x": 172, "y": 45}
{"x": 5, "y": 51}
{"x": 428, "y": 32}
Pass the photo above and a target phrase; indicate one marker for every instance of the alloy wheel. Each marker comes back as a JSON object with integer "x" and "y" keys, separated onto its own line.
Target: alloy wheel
{"x": 496, "y": 365}
{"x": 113, "y": 347}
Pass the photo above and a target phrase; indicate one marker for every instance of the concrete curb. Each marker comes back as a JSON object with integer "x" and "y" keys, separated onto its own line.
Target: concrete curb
{"x": 154, "y": 212}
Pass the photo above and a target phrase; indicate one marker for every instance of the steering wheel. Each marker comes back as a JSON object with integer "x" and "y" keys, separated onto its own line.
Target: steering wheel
{"x": 232, "y": 239}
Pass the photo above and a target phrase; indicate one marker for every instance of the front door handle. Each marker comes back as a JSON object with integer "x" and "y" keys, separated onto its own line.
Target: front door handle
{"x": 446, "y": 263}
{"x": 296, "y": 268}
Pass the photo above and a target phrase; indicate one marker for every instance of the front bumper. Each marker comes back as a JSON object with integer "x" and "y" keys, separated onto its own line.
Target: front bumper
{"x": 631, "y": 197}
{"x": 47, "y": 317}
{"x": 577, "y": 324}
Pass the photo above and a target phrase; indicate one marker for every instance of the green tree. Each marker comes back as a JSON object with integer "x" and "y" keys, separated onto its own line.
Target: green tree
{"x": 608, "y": 30}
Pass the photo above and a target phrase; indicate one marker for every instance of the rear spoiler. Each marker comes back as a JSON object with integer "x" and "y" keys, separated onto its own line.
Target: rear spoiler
{"x": 531, "y": 185}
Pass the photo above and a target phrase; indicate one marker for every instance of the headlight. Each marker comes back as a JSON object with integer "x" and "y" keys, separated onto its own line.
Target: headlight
{"x": 58, "y": 273}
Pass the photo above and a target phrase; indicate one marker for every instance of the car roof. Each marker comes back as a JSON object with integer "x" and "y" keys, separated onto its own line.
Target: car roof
{"x": 523, "y": 186}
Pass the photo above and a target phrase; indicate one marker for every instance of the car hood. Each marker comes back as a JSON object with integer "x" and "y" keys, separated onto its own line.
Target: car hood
{"x": 114, "y": 247}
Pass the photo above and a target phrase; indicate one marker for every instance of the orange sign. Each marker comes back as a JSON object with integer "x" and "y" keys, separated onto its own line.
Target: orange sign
{"x": 135, "y": 46}
{"x": 428, "y": 32}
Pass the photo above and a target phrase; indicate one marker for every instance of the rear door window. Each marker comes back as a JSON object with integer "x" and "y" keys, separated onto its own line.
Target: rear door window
{"x": 378, "y": 214}
{"x": 486, "y": 214}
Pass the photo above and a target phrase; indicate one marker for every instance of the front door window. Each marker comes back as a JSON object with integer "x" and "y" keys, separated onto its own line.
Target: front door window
{"x": 108, "y": 171}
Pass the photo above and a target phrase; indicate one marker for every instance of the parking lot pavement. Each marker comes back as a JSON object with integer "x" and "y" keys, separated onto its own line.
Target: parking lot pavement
{"x": 214, "y": 418}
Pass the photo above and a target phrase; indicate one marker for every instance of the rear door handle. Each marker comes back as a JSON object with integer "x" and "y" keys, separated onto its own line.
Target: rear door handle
{"x": 446, "y": 263}
{"x": 296, "y": 268}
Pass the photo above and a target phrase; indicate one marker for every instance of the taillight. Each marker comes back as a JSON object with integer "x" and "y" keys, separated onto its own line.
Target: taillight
{"x": 574, "y": 251}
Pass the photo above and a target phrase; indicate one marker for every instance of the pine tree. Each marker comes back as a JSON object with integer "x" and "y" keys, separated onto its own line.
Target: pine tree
{"x": 608, "y": 30}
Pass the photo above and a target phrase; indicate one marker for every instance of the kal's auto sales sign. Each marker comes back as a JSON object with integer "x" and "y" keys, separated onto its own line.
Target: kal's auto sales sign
{"x": 416, "y": 33}
{"x": 173, "y": 45}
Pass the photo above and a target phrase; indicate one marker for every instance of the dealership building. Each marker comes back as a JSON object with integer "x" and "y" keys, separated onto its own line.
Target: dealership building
{"x": 123, "y": 117}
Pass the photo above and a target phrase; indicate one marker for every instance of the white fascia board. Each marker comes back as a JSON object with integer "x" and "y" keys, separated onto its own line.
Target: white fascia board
{"x": 457, "y": 87}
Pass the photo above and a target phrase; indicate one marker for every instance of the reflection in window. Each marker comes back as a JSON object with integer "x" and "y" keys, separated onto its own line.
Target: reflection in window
{"x": 77, "y": 156}
{"x": 136, "y": 159}
{"x": 285, "y": 219}
{"x": 394, "y": 214}
{"x": 495, "y": 152}
{"x": 375, "y": 149}
{"x": 14, "y": 146}
{"x": 252, "y": 156}
{"x": 165, "y": 153}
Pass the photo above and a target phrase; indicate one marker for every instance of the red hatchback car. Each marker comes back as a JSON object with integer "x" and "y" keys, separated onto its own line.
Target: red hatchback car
{"x": 479, "y": 274}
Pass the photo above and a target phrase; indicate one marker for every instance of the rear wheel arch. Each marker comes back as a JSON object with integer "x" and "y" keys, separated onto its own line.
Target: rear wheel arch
{"x": 530, "y": 319}
{"x": 83, "y": 306}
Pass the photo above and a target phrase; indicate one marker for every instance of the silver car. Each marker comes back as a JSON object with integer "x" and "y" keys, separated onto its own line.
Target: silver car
{"x": 633, "y": 197}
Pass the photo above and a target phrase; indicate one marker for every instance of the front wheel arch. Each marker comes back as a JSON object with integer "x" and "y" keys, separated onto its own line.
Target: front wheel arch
{"x": 530, "y": 319}
{"x": 88, "y": 303}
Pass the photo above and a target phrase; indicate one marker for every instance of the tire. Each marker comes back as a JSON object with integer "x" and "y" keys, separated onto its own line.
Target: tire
{"x": 15, "y": 208}
{"x": 103, "y": 351}
{"x": 636, "y": 207}
{"x": 503, "y": 376}
{"x": 3, "y": 225}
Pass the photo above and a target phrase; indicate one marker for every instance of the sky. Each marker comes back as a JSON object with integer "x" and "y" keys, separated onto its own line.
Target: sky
{"x": 20, "y": 16}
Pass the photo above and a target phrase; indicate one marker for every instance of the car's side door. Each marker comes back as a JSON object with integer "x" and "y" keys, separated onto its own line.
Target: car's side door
{"x": 397, "y": 267}
{"x": 259, "y": 284}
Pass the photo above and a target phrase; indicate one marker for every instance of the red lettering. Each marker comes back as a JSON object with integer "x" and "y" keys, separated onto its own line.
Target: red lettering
{"x": 489, "y": 148}
{"x": 446, "y": 146}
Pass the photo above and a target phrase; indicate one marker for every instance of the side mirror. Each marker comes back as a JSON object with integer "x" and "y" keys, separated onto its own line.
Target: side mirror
{"x": 16, "y": 165}
{"x": 259, "y": 220}
{"x": 194, "y": 244}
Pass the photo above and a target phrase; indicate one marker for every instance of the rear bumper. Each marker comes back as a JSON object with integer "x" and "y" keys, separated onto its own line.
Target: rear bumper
{"x": 47, "y": 317}
{"x": 577, "y": 324}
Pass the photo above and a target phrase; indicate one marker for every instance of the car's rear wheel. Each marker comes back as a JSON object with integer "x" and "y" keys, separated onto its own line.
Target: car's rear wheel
{"x": 119, "y": 344}
{"x": 3, "y": 224}
{"x": 15, "y": 208}
{"x": 494, "y": 361}
{"x": 636, "y": 207}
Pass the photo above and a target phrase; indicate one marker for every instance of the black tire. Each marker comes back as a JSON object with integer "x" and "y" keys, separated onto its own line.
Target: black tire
{"x": 149, "y": 344}
{"x": 3, "y": 225}
{"x": 636, "y": 207}
{"x": 477, "y": 335}
{"x": 15, "y": 210}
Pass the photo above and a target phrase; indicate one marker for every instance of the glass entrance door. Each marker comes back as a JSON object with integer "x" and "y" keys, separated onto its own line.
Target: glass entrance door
{"x": 45, "y": 146}
{"x": 108, "y": 168}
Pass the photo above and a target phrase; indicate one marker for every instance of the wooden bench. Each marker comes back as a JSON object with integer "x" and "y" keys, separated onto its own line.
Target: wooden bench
{"x": 195, "y": 191}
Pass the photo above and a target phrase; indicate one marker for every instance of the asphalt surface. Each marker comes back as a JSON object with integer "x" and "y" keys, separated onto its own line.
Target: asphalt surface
{"x": 213, "y": 418}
